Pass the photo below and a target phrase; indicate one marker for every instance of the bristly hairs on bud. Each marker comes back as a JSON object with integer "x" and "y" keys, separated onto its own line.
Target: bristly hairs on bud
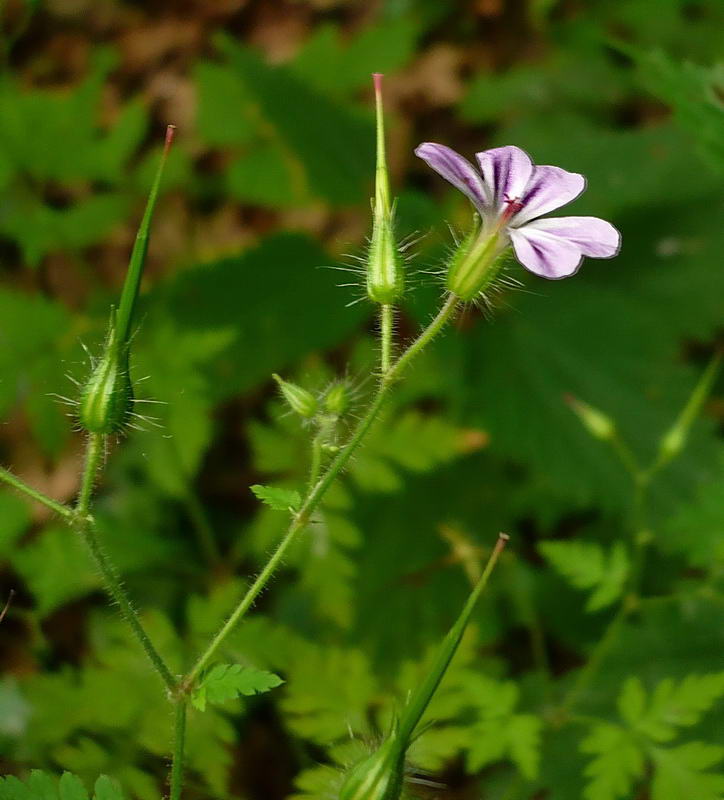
{"x": 385, "y": 278}
{"x": 300, "y": 400}
{"x": 106, "y": 402}
{"x": 380, "y": 776}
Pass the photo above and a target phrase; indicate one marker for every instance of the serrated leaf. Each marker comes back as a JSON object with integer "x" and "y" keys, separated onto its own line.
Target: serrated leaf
{"x": 229, "y": 681}
{"x": 70, "y": 787}
{"x": 618, "y": 763}
{"x": 338, "y": 65}
{"x": 672, "y": 704}
{"x": 276, "y": 498}
{"x": 41, "y": 786}
{"x": 586, "y": 565}
{"x": 413, "y": 442}
{"x": 681, "y": 772}
{"x": 324, "y": 144}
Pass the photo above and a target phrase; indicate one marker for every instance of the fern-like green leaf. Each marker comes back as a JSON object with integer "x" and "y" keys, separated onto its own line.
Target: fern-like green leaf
{"x": 276, "y": 498}
{"x": 617, "y": 764}
{"x": 681, "y": 773}
{"x": 228, "y": 681}
{"x": 586, "y": 565}
{"x": 41, "y": 786}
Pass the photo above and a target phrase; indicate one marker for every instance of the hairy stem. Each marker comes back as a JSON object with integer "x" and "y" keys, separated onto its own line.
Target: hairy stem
{"x": 114, "y": 587}
{"x": 93, "y": 455}
{"x": 386, "y": 330}
{"x": 179, "y": 740}
{"x": 317, "y": 492}
{"x": 34, "y": 494}
{"x": 83, "y": 524}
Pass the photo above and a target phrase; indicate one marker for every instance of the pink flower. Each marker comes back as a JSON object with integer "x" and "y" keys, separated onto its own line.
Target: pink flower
{"x": 512, "y": 195}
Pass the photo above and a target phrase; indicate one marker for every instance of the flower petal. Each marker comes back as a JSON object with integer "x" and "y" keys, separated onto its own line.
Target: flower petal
{"x": 548, "y": 189}
{"x": 506, "y": 171}
{"x": 594, "y": 237}
{"x": 456, "y": 169}
{"x": 545, "y": 255}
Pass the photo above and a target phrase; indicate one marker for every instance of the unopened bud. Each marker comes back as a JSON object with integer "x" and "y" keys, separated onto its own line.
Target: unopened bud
{"x": 300, "y": 400}
{"x": 594, "y": 421}
{"x": 337, "y": 400}
{"x": 385, "y": 280}
{"x": 476, "y": 263}
{"x": 379, "y": 776}
{"x": 107, "y": 397}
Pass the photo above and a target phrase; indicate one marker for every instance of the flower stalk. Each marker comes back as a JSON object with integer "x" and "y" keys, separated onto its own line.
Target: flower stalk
{"x": 380, "y": 776}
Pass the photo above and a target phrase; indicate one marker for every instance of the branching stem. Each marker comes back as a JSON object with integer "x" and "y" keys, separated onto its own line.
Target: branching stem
{"x": 317, "y": 492}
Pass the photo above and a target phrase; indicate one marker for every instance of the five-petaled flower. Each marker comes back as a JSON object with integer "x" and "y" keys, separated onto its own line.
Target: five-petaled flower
{"x": 512, "y": 195}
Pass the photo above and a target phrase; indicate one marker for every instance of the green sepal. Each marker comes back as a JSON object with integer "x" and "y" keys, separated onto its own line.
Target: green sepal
{"x": 380, "y": 776}
{"x": 299, "y": 399}
{"x": 476, "y": 262}
{"x": 385, "y": 275}
{"x": 336, "y": 400}
{"x": 107, "y": 397}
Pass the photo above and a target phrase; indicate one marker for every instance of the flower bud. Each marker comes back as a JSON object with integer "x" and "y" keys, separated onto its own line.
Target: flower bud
{"x": 476, "y": 263}
{"x": 300, "y": 400}
{"x": 337, "y": 400}
{"x": 673, "y": 441}
{"x": 594, "y": 421}
{"x": 380, "y": 775}
{"x": 385, "y": 280}
{"x": 107, "y": 397}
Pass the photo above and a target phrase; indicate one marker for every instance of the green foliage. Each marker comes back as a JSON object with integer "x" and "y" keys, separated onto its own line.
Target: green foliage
{"x": 695, "y": 95}
{"x": 276, "y": 498}
{"x": 227, "y": 681}
{"x": 621, "y": 753}
{"x": 501, "y": 732}
{"x": 298, "y": 143}
{"x": 41, "y": 786}
{"x": 29, "y": 163}
{"x": 339, "y": 67}
{"x": 276, "y": 163}
{"x": 586, "y": 565}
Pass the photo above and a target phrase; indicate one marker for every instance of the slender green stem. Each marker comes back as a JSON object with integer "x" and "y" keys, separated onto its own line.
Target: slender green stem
{"x": 114, "y": 587}
{"x": 81, "y": 522}
{"x": 318, "y": 491}
{"x": 423, "y": 694}
{"x": 23, "y": 487}
{"x": 600, "y": 651}
{"x": 315, "y": 464}
{"x": 386, "y": 330}
{"x": 629, "y": 601}
{"x": 445, "y": 314}
{"x": 626, "y": 456}
{"x": 93, "y": 456}
{"x": 202, "y": 528}
{"x": 179, "y": 739}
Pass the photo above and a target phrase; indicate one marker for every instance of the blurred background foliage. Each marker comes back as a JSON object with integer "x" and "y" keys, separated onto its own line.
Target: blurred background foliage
{"x": 268, "y": 187}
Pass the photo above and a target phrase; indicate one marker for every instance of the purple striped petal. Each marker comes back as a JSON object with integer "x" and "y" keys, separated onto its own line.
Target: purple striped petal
{"x": 457, "y": 170}
{"x": 545, "y": 255}
{"x": 506, "y": 172}
{"x": 548, "y": 189}
{"x": 594, "y": 237}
